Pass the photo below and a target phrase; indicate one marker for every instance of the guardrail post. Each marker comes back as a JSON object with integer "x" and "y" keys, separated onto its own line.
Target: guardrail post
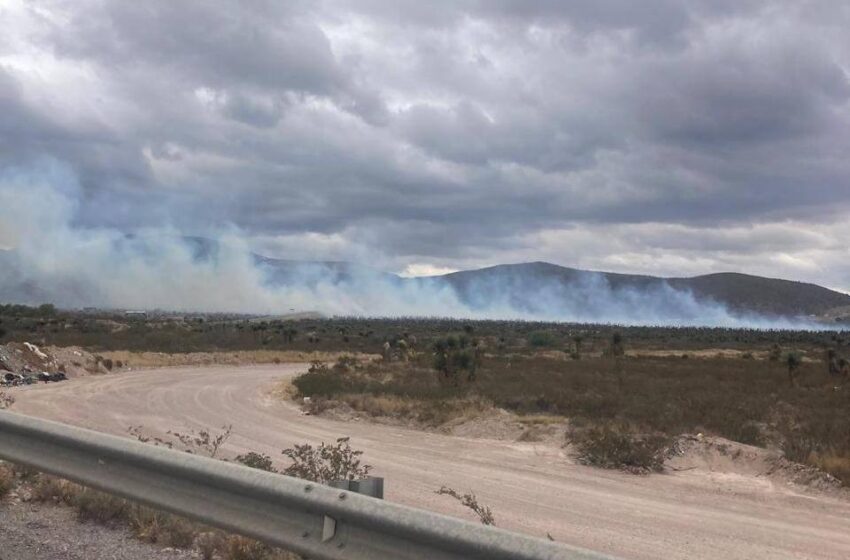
{"x": 371, "y": 486}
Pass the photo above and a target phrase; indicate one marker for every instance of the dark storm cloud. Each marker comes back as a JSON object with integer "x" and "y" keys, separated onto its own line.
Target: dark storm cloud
{"x": 440, "y": 131}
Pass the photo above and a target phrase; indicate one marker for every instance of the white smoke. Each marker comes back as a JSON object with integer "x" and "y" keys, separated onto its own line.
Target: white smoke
{"x": 72, "y": 266}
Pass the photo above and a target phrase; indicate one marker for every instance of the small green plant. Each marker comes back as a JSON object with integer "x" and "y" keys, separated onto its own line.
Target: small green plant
{"x": 456, "y": 354}
{"x": 326, "y": 463}
{"x": 541, "y": 339}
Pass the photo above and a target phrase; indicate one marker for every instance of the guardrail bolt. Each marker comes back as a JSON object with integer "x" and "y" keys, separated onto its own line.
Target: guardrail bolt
{"x": 308, "y": 488}
{"x": 305, "y": 534}
{"x": 342, "y": 495}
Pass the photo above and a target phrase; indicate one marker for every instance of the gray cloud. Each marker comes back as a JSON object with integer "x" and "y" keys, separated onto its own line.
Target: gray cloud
{"x": 449, "y": 133}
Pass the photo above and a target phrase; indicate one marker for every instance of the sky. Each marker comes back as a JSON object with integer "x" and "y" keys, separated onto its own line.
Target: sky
{"x": 663, "y": 137}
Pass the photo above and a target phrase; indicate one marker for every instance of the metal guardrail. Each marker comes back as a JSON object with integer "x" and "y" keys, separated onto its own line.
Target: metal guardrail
{"x": 282, "y": 511}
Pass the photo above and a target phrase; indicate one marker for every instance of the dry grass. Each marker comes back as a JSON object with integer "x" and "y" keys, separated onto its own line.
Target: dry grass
{"x": 144, "y": 360}
{"x": 541, "y": 419}
{"x": 101, "y": 508}
{"x": 7, "y": 480}
{"x": 161, "y": 528}
{"x": 837, "y": 465}
{"x": 427, "y": 414}
{"x": 46, "y": 488}
{"x": 235, "y": 547}
{"x": 741, "y": 398}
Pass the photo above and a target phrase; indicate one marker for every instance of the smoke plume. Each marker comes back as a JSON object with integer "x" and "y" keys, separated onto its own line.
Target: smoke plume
{"x": 51, "y": 258}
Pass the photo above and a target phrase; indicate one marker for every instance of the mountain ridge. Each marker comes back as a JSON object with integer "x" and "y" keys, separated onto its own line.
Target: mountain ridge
{"x": 522, "y": 286}
{"x": 741, "y": 292}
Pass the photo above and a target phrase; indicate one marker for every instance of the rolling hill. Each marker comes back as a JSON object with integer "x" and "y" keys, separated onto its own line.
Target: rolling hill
{"x": 740, "y": 293}
{"x": 532, "y": 289}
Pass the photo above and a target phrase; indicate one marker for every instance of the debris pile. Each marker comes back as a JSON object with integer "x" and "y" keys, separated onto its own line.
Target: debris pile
{"x": 23, "y": 363}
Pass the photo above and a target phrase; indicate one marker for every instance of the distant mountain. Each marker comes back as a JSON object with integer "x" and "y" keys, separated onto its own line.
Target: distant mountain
{"x": 533, "y": 290}
{"x": 764, "y": 295}
{"x": 741, "y": 293}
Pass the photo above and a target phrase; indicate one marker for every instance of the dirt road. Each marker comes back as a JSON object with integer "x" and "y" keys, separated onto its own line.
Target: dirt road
{"x": 531, "y": 487}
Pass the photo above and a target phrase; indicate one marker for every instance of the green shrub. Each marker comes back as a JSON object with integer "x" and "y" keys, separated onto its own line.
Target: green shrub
{"x": 322, "y": 383}
{"x": 326, "y": 463}
{"x": 541, "y": 339}
{"x": 454, "y": 355}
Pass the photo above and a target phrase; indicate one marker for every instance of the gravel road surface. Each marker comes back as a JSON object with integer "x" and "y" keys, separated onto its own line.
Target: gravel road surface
{"x": 531, "y": 487}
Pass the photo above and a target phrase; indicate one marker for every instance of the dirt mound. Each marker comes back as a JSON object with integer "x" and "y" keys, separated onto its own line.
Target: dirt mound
{"x": 24, "y": 357}
{"x": 736, "y": 464}
{"x": 76, "y": 361}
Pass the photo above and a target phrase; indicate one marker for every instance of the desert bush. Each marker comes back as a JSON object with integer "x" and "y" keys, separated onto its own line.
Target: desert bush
{"x": 202, "y": 442}
{"x": 326, "y": 463}
{"x": 454, "y": 355}
{"x": 322, "y": 382}
{"x": 256, "y": 461}
{"x": 617, "y": 345}
{"x": 614, "y": 445}
{"x": 793, "y": 360}
{"x": 346, "y": 363}
{"x": 798, "y": 447}
{"x": 469, "y": 500}
{"x": 541, "y": 339}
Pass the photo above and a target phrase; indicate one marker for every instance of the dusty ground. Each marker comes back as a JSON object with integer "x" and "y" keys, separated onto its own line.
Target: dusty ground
{"x": 47, "y": 532}
{"x": 695, "y": 512}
